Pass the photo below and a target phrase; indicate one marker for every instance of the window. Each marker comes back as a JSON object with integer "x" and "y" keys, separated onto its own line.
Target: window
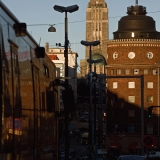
{"x": 112, "y": 72}
{"x": 150, "y": 55}
{"x": 145, "y": 71}
{"x": 149, "y": 129}
{"x": 115, "y": 85}
{"x": 150, "y": 99}
{"x": 127, "y": 71}
{"x": 136, "y": 71}
{"x": 131, "y": 99}
{"x": 149, "y": 84}
{"x": 131, "y": 84}
{"x": 115, "y": 55}
{"x": 46, "y": 71}
{"x": 132, "y": 34}
{"x": 154, "y": 71}
{"x": 118, "y": 71}
{"x": 131, "y": 128}
{"x": 131, "y": 113}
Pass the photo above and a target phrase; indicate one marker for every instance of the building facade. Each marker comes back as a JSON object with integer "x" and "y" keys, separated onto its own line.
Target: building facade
{"x": 133, "y": 84}
{"x": 57, "y": 56}
{"x": 96, "y": 29}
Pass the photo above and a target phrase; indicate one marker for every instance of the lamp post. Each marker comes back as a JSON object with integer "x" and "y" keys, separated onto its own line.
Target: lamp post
{"x": 69, "y": 9}
{"x": 91, "y": 127}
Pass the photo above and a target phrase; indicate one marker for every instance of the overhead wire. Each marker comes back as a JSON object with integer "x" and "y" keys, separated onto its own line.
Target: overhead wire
{"x": 78, "y": 43}
{"x": 80, "y": 20}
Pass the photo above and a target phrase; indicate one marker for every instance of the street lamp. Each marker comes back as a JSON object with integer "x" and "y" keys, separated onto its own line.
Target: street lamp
{"x": 51, "y": 29}
{"x": 90, "y": 61}
{"x": 69, "y": 9}
{"x": 93, "y": 43}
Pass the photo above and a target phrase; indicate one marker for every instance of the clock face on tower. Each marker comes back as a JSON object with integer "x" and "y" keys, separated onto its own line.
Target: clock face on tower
{"x": 131, "y": 55}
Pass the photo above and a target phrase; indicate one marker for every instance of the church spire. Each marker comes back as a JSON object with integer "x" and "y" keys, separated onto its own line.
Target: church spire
{"x": 136, "y": 2}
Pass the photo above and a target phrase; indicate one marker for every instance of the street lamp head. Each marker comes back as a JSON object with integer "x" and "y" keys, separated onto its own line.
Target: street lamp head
{"x": 51, "y": 29}
{"x": 94, "y": 61}
{"x": 70, "y": 9}
{"x": 85, "y": 43}
{"x": 93, "y": 43}
{"x": 59, "y": 8}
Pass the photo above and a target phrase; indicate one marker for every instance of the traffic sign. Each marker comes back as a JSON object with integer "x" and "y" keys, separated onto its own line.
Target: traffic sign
{"x": 148, "y": 141}
{"x": 92, "y": 77}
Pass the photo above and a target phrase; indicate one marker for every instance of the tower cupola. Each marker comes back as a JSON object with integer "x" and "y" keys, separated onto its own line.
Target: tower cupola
{"x": 136, "y": 25}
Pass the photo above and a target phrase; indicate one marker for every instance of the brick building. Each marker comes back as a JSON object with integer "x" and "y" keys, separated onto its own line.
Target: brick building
{"x": 133, "y": 52}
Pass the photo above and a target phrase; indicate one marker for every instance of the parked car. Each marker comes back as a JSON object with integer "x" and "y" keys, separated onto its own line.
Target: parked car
{"x": 153, "y": 155}
{"x": 131, "y": 157}
{"x": 63, "y": 156}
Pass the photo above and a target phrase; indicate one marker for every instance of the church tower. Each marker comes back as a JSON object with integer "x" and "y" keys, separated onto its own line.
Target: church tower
{"x": 96, "y": 29}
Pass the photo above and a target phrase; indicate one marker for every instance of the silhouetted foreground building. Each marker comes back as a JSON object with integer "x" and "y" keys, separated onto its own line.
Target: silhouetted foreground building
{"x": 28, "y": 103}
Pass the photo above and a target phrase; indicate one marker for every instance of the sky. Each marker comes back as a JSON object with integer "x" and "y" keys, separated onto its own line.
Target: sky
{"x": 39, "y": 15}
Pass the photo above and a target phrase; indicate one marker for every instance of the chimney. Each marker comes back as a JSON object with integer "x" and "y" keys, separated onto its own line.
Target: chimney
{"x": 47, "y": 47}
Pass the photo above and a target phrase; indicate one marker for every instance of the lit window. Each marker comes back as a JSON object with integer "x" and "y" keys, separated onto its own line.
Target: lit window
{"x": 132, "y": 34}
{"x": 131, "y": 99}
{"x": 131, "y": 84}
{"x": 149, "y": 129}
{"x": 131, "y": 128}
{"x": 118, "y": 71}
{"x": 131, "y": 113}
{"x": 127, "y": 71}
{"x": 115, "y": 84}
{"x": 150, "y": 99}
{"x": 112, "y": 72}
{"x": 149, "y": 84}
{"x": 136, "y": 71}
{"x": 154, "y": 71}
{"x": 145, "y": 71}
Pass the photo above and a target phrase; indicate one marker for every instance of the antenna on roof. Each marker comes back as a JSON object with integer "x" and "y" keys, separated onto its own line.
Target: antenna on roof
{"x": 136, "y": 2}
{"x": 39, "y": 41}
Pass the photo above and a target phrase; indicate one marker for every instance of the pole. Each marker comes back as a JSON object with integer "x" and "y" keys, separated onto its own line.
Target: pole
{"x": 95, "y": 131}
{"x": 142, "y": 113}
{"x": 95, "y": 107}
{"x": 66, "y": 83}
{"x": 90, "y": 112}
{"x": 158, "y": 105}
